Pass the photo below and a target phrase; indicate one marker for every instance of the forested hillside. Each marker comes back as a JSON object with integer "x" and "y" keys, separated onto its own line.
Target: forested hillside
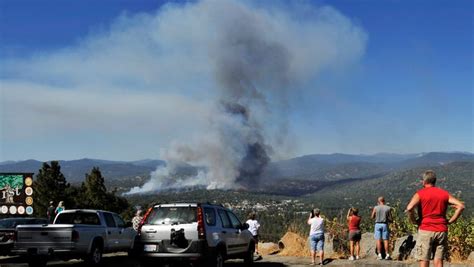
{"x": 456, "y": 177}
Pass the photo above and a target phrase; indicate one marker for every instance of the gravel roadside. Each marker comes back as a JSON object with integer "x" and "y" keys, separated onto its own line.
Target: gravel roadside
{"x": 122, "y": 260}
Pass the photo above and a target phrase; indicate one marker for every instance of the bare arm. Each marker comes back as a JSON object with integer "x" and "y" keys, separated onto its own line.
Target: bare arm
{"x": 415, "y": 200}
{"x": 309, "y": 219}
{"x": 458, "y": 205}
{"x": 373, "y": 214}
{"x": 349, "y": 214}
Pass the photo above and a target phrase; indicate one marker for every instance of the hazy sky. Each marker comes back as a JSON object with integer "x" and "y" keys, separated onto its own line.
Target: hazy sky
{"x": 125, "y": 79}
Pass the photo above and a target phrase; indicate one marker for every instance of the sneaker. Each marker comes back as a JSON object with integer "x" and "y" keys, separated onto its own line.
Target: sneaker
{"x": 357, "y": 257}
{"x": 379, "y": 257}
{"x": 388, "y": 257}
{"x": 351, "y": 258}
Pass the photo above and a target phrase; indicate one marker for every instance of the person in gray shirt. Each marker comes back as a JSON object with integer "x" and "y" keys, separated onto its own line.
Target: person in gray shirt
{"x": 383, "y": 216}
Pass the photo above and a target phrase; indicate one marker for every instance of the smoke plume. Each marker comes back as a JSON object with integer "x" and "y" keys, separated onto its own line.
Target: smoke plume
{"x": 259, "y": 58}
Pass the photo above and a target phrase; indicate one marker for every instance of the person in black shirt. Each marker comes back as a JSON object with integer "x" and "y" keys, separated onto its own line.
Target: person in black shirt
{"x": 50, "y": 213}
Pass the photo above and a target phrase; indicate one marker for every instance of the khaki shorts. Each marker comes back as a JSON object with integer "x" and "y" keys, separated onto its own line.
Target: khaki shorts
{"x": 431, "y": 245}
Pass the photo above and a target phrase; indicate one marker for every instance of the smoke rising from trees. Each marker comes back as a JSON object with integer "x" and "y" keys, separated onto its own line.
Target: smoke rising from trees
{"x": 257, "y": 58}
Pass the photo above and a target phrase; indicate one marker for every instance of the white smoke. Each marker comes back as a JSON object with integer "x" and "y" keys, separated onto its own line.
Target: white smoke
{"x": 258, "y": 58}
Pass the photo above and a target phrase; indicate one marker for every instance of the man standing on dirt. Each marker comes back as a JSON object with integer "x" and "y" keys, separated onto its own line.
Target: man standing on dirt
{"x": 432, "y": 203}
{"x": 383, "y": 216}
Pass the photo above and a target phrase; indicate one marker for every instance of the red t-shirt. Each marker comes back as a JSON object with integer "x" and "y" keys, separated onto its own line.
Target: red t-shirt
{"x": 433, "y": 205}
{"x": 354, "y": 222}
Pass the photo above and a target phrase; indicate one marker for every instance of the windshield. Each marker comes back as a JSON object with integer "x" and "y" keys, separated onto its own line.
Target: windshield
{"x": 78, "y": 218}
{"x": 7, "y": 223}
{"x": 172, "y": 215}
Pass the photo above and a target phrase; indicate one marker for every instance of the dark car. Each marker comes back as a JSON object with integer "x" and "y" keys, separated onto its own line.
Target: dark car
{"x": 7, "y": 231}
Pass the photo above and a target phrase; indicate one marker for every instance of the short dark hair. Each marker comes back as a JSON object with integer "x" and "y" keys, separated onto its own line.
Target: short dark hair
{"x": 355, "y": 211}
{"x": 252, "y": 216}
{"x": 429, "y": 177}
{"x": 316, "y": 212}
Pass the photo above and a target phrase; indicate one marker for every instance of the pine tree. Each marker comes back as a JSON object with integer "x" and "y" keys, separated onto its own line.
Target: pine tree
{"x": 50, "y": 185}
{"x": 76, "y": 199}
{"x": 94, "y": 189}
{"x": 95, "y": 195}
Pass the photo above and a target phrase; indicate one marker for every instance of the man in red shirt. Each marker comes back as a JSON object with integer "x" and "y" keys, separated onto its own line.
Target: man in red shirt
{"x": 432, "y": 203}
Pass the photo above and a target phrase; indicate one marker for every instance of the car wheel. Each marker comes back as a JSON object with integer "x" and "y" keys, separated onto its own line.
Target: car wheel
{"x": 95, "y": 256}
{"x": 248, "y": 257}
{"x": 219, "y": 259}
{"x": 216, "y": 259}
{"x": 37, "y": 261}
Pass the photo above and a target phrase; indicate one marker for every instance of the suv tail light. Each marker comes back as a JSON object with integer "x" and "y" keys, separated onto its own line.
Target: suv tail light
{"x": 200, "y": 228}
{"x": 75, "y": 236}
{"x": 142, "y": 222}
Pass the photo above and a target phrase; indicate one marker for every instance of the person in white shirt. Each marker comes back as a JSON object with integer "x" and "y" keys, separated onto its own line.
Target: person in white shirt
{"x": 316, "y": 236}
{"x": 253, "y": 228}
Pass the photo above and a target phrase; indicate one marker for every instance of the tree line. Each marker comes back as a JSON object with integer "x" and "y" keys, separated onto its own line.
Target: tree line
{"x": 51, "y": 185}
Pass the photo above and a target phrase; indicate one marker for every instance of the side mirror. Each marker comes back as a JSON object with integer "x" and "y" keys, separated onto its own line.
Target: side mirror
{"x": 245, "y": 226}
{"x": 128, "y": 224}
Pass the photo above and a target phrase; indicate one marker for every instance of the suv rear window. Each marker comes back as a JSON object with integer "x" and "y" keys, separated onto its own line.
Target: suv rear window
{"x": 210, "y": 216}
{"x": 77, "y": 218}
{"x": 172, "y": 215}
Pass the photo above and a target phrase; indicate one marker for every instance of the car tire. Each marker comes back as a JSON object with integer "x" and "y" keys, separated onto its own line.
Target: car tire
{"x": 94, "y": 258}
{"x": 248, "y": 257}
{"x": 37, "y": 261}
{"x": 218, "y": 259}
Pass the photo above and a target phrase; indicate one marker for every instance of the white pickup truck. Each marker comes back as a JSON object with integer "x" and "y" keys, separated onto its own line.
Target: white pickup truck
{"x": 85, "y": 234}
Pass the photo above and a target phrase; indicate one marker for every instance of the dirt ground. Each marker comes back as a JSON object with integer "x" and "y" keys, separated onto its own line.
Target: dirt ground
{"x": 122, "y": 260}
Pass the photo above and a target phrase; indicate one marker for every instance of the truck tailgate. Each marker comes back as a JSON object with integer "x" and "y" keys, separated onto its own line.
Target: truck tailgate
{"x": 44, "y": 236}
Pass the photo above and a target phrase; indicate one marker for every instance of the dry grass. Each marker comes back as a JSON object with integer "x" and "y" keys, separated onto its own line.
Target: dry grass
{"x": 268, "y": 248}
{"x": 294, "y": 245}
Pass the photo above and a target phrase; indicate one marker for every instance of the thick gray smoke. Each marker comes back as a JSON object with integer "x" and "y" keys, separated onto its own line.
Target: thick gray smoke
{"x": 258, "y": 57}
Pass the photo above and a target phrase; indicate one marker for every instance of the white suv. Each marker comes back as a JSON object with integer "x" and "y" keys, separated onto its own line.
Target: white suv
{"x": 200, "y": 233}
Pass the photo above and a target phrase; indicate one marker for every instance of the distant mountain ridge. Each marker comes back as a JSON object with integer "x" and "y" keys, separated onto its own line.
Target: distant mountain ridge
{"x": 342, "y": 166}
{"x": 75, "y": 170}
{"x": 316, "y": 167}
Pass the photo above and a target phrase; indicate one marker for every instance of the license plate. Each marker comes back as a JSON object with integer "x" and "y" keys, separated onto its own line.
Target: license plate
{"x": 150, "y": 248}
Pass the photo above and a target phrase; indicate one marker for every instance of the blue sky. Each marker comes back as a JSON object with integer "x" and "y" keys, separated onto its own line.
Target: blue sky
{"x": 400, "y": 79}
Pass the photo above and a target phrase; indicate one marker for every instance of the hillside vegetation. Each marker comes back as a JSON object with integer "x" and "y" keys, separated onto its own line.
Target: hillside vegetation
{"x": 456, "y": 177}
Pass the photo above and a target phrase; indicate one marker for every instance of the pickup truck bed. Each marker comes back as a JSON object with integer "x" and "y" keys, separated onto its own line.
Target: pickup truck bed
{"x": 83, "y": 234}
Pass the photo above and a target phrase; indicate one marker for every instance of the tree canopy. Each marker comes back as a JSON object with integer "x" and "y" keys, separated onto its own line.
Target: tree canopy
{"x": 50, "y": 185}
